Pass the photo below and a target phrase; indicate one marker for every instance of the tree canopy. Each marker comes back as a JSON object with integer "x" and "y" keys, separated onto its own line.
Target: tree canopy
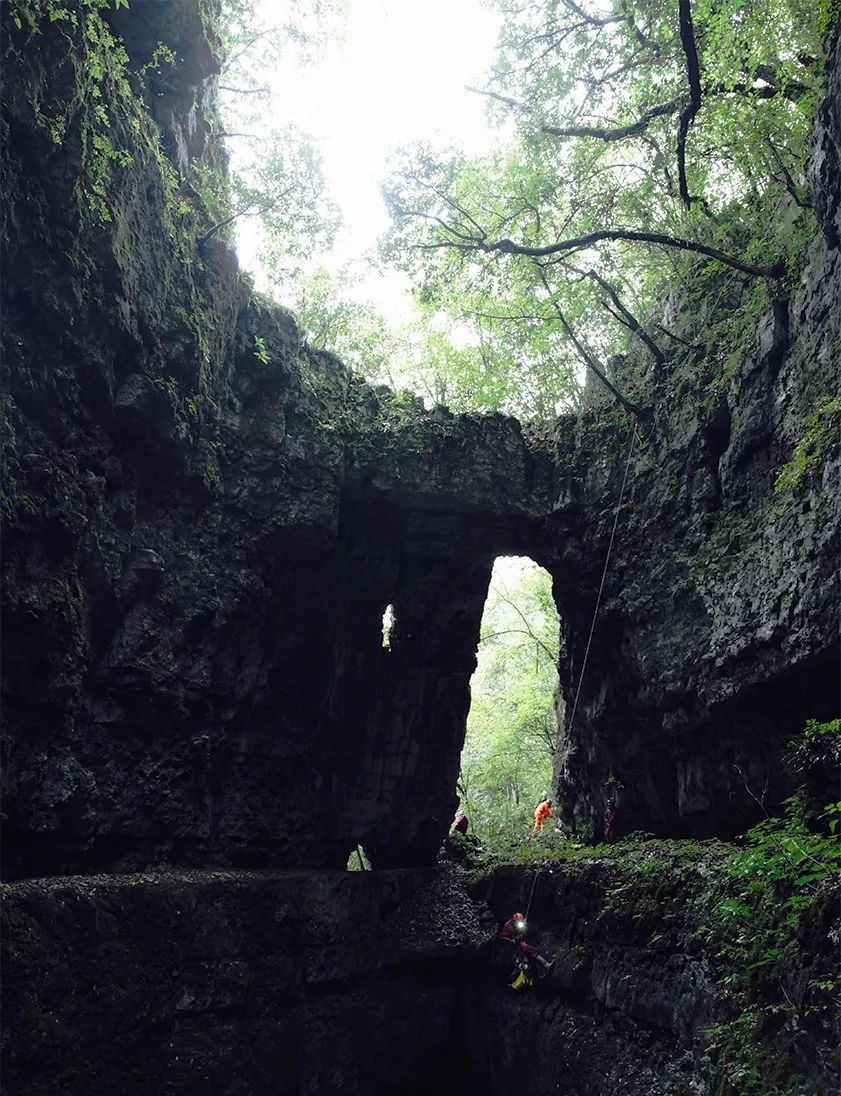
{"x": 275, "y": 169}
{"x": 644, "y": 146}
{"x": 640, "y": 141}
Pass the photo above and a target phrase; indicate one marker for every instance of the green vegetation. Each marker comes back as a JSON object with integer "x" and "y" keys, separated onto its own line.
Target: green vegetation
{"x": 260, "y": 351}
{"x": 772, "y": 908}
{"x": 506, "y": 764}
{"x": 641, "y": 147}
{"x": 820, "y": 431}
{"x": 763, "y": 913}
{"x": 653, "y": 145}
{"x": 275, "y": 174}
{"x": 102, "y": 93}
{"x": 93, "y": 123}
{"x": 766, "y": 910}
{"x": 105, "y": 113}
{"x": 818, "y": 745}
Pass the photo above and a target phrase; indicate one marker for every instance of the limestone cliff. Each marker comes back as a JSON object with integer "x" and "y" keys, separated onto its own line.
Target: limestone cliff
{"x": 385, "y": 982}
{"x": 203, "y": 522}
{"x": 199, "y": 545}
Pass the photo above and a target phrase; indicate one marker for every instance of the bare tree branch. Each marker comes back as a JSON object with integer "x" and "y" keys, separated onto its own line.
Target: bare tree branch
{"x": 517, "y": 632}
{"x": 643, "y": 414}
{"x": 590, "y": 20}
{"x": 245, "y": 211}
{"x": 643, "y": 40}
{"x": 246, "y": 91}
{"x": 629, "y": 319}
{"x": 508, "y": 601}
{"x": 679, "y": 338}
{"x": 693, "y": 74}
{"x": 508, "y": 247}
{"x": 789, "y": 89}
{"x": 643, "y": 123}
{"x": 601, "y": 133}
{"x": 790, "y": 185}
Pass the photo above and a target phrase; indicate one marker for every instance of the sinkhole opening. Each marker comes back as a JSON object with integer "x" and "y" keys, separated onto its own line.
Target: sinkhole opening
{"x": 512, "y": 726}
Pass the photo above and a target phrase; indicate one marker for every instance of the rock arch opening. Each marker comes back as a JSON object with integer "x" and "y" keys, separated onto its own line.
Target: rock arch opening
{"x": 358, "y": 859}
{"x": 388, "y": 626}
{"x": 512, "y": 725}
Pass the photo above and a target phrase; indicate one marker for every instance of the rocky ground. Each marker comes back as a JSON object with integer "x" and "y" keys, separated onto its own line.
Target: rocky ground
{"x": 388, "y": 981}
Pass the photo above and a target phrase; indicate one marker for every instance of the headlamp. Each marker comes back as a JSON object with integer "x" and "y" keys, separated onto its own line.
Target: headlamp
{"x": 520, "y": 924}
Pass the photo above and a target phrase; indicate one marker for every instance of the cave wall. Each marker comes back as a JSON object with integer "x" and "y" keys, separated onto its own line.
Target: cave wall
{"x": 198, "y": 549}
{"x": 234, "y": 981}
{"x": 717, "y": 636}
{"x": 231, "y": 982}
{"x": 199, "y": 545}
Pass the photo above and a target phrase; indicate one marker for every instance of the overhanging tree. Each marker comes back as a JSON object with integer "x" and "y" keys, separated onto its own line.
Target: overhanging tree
{"x": 275, "y": 174}
{"x": 648, "y": 138}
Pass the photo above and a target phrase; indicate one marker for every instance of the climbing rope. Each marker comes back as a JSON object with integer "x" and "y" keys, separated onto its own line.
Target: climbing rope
{"x": 604, "y": 576}
{"x": 531, "y": 895}
{"x": 590, "y": 636}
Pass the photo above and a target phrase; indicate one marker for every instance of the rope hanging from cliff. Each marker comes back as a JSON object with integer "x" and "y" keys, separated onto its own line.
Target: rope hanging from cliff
{"x": 604, "y": 576}
{"x": 531, "y": 895}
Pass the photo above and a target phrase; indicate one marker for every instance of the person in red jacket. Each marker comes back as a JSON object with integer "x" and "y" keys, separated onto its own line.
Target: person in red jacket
{"x": 460, "y": 823}
{"x": 513, "y": 932}
{"x": 541, "y": 813}
{"x": 610, "y": 823}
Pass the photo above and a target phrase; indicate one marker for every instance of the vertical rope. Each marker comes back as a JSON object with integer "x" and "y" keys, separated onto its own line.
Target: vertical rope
{"x": 533, "y": 883}
{"x": 604, "y": 576}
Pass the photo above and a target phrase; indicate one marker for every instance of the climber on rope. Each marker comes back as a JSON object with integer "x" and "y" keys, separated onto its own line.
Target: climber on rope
{"x": 460, "y": 822}
{"x": 527, "y": 960}
{"x": 542, "y": 812}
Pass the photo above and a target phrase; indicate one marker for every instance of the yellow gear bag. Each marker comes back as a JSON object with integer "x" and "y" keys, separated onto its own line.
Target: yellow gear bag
{"x": 521, "y": 981}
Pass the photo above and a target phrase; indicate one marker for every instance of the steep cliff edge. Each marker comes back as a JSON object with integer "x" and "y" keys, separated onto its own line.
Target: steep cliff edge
{"x": 718, "y": 634}
{"x": 194, "y": 574}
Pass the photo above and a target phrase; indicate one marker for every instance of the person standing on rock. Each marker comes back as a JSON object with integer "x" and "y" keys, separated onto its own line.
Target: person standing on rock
{"x": 461, "y": 845}
{"x": 542, "y": 811}
{"x": 610, "y": 823}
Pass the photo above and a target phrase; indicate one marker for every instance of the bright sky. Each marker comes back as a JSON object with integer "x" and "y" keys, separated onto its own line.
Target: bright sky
{"x": 397, "y": 77}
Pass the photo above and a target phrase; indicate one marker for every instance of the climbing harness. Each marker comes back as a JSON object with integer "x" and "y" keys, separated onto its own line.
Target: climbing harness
{"x": 522, "y": 974}
{"x": 604, "y": 576}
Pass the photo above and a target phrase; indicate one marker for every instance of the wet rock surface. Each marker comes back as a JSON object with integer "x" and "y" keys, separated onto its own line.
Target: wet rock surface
{"x": 199, "y": 545}
{"x": 715, "y": 640}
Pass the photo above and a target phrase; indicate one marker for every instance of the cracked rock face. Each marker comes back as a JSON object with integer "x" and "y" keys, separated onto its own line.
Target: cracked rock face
{"x": 199, "y": 547}
{"x": 716, "y": 640}
{"x": 234, "y": 982}
{"x": 381, "y": 982}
